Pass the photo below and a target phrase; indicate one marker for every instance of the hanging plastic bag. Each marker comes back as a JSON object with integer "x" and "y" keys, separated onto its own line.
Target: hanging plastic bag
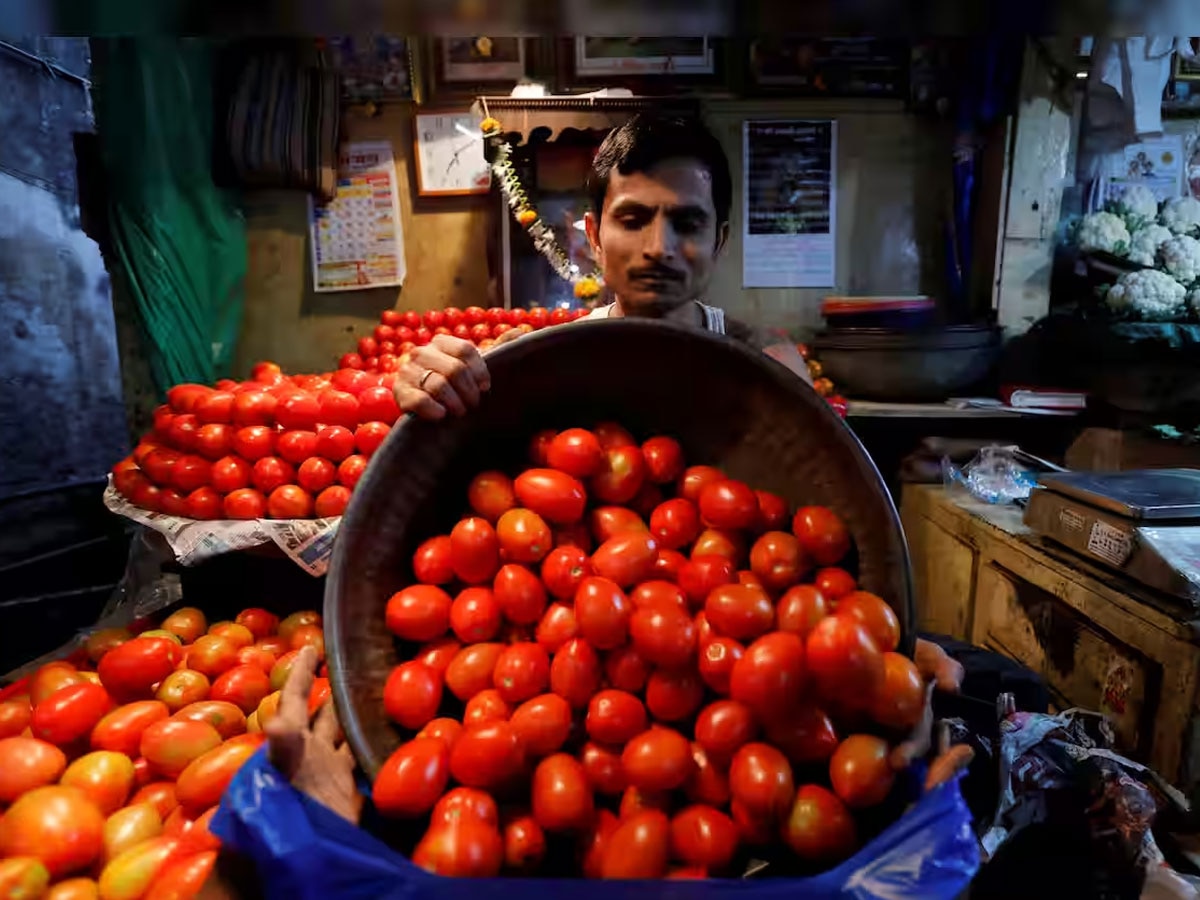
{"x": 303, "y": 850}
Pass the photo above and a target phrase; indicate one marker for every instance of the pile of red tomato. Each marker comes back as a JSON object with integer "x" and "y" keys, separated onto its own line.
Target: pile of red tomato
{"x": 657, "y": 664}
{"x": 399, "y": 332}
{"x": 275, "y": 446}
{"x": 112, "y": 764}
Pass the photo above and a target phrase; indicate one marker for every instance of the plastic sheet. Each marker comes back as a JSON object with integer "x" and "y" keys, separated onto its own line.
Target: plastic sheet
{"x": 993, "y": 476}
{"x": 302, "y": 850}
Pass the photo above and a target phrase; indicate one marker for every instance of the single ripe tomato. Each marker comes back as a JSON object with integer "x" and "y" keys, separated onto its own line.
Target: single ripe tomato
{"x": 614, "y": 717}
{"x": 769, "y": 678}
{"x": 331, "y": 502}
{"x": 562, "y": 798}
{"x": 728, "y": 504}
{"x": 412, "y": 694}
{"x": 845, "y": 663}
{"x": 471, "y": 669}
{"x": 800, "y": 609}
{"x": 246, "y": 503}
{"x": 659, "y": 595}
{"x": 611, "y": 436}
{"x": 412, "y": 779}
{"x": 214, "y": 440}
{"x": 420, "y": 612}
{"x": 776, "y": 558}
{"x": 772, "y": 511}
{"x": 211, "y": 655}
{"x": 701, "y": 575}
{"x": 708, "y": 782}
{"x": 899, "y": 701}
{"x": 69, "y": 713}
{"x": 875, "y": 615}
{"x": 58, "y": 825}
{"x": 739, "y": 611}
{"x": 519, "y": 594}
{"x": 626, "y": 558}
{"x": 270, "y": 472}
{"x": 553, "y": 495}
{"x": 543, "y": 724}
{"x": 465, "y": 803}
{"x": 296, "y": 446}
{"x": 524, "y": 843}
{"x": 129, "y": 671}
{"x": 664, "y": 459}
{"x": 695, "y": 478}
{"x": 720, "y": 542}
{"x": 834, "y": 583}
{"x": 675, "y": 523}
{"x": 490, "y": 495}
{"x": 338, "y": 408}
{"x": 524, "y": 536}
{"x": 723, "y": 728}
{"x": 557, "y": 626}
{"x": 474, "y": 550}
{"x": 253, "y": 408}
{"x": 819, "y": 827}
{"x": 27, "y": 763}
{"x": 717, "y": 659}
{"x": 621, "y": 477}
{"x": 351, "y": 469}
{"x": 253, "y": 442}
{"x": 575, "y": 451}
{"x": 177, "y": 690}
{"x": 805, "y": 736}
{"x": 315, "y": 474}
{"x": 658, "y": 759}
{"x": 230, "y": 473}
{"x": 488, "y": 756}
{"x": 563, "y": 570}
{"x": 172, "y": 744}
{"x": 575, "y": 673}
{"x": 760, "y": 778}
{"x": 704, "y": 836}
{"x": 368, "y": 437}
{"x": 244, "y": 686}
{"x": 378, "y": 404}
{"x": 289, "y": 502}
{"x": 626, "y": 669}
{"x": 466, "y": 848}
{"x": 822, "y": 534}
{"x": 860, "y": 771}
{"x": 664, "y": 635}
{"x": 602, "y": 611}
{"x": 522, "y": 672}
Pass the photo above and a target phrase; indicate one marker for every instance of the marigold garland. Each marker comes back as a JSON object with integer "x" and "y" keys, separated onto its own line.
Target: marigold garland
{"x": 586, "y": 287}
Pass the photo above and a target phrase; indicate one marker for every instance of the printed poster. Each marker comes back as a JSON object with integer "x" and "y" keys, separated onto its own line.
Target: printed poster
{"x": 789, "y": 198}
{"x": 1156, "y": 163}
{"x": 357, "y": 241}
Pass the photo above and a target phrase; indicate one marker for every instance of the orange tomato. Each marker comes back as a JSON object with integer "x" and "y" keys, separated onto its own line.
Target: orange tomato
{"x": 27, "y": 763}
{"x": 106, "y": 778}
{"x": 130, "y": 826}
{"x": 121, "y": 730}
{"x": 56, "y": 824}
{"x": 182, "y": 879}
{"x": 203, "y": 782}
{"x": 129, "y": 875}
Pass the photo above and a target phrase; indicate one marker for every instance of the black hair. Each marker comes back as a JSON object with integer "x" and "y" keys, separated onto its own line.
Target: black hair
{"x": 647, "y": 139}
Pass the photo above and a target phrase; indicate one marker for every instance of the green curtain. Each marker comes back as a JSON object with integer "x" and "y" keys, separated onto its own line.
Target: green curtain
{"x": 180, "y": 239}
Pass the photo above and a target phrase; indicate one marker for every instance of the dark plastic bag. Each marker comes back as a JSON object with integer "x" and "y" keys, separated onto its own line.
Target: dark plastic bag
{"x": 302, "y": 850}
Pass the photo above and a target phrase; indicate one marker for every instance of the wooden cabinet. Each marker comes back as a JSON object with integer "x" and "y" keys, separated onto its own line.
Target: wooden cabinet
{"x": 1100, "y": 641}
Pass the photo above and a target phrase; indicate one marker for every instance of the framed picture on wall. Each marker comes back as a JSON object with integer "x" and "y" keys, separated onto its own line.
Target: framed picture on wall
{"x": 1188, "y": 69}
{"x": 465, "y": 67}
{"x": 645, "y": 65}
{"x": 829, "y": 67}
{"x": 372, "y": 69}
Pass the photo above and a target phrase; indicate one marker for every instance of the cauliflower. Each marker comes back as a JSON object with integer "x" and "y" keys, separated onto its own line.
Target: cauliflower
{"x": 1181, "y": 258}
{"x": 1144, "y": 243}
{"x": 1103, "y": 231}
{"x": 1193, "y": 301}
{"x": 1138, "y": 204}
{"x": 1148, "y": 293}
{"x": 1181, "y": 214}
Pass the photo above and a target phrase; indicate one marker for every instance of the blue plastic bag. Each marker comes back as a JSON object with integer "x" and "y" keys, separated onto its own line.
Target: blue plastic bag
{"x": 303, "y": 850}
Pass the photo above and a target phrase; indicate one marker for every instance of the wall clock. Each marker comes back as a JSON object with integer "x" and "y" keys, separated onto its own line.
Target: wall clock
{"x": 449, "y": 155}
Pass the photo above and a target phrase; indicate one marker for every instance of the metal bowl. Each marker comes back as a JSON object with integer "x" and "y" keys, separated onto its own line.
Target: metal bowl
{"x": 727, "y": 404}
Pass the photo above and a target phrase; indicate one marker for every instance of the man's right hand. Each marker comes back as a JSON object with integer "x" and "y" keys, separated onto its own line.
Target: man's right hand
{"x": 447, "y": 375}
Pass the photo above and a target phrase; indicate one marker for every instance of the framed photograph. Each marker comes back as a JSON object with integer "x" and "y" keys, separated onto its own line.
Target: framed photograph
{"x": 829, "y": 67}
{"x": 448, "y": 154}
{"x": 644, "y": 56}
{"x": 373, "y": 68}
{"x": 1188, "y": 69}
{"x": 477, "y": 60}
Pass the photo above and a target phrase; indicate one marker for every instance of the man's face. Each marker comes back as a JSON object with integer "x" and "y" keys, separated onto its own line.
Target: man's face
{"x": 657, "y": 238}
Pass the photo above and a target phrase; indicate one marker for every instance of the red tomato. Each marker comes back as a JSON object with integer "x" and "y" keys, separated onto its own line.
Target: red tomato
{"x": 772, "y": 511}
{"x": 331, "y": 502}
{"x": 230, "y": 473}
{"x": 519, "y": 594}
{"x": 420, "y": 612}
{"x": 563, "y": 570}
{"x": 659, "y": 595}
{"x": 621, "y": 477}
{"x": 243, "y": 686}
{"x": 639, "y": 847}
{"x": 158, "y": 794}
{"x": 158, "y": 465}
{"x": 437, "y": 654}
{"x": 337, "y": 408}
{"x": 626, "y": 670}
{"x": 14, "y": 717}
{"x": 611, "y": 436}
{"x": 728, "y": 504}
{"x": 834, "y": 583}
{"x": 253, "y": 408}
{"x": 603, "y": 768}
{"x": 800, "y": 609}
{"x": 490, "y": 494}
{"x": 602, "y": 611}
{"x": 271, "y": 472}
{"x": 777, "y": 559}
{"x": 121, "y": 730}
{"x": 465, "y": 803}
{"x": 50, "y": 678}
{"x": 487, "y": 756}
{"x": 259, "y": 622}
{"x": 675, "y": 523}
{"x": 626, "y": 558}
{"x": 844, "y": 661}
{"x": 615, "y": 717}
{"x": 701, "y": 575}
{"x": 471, "y": 669}
{"x": 190, "y": 473}
{"x": 70, "y": 713}
{"x": 668, "y": 564}
{"x": 805, "y": 736}
{"x": 760, "y": 778}
{"x": 769, "y": 678}
{"x": 246, "y": 503}
{"x": 253, "y": 442}
{"x": 229, "y": 721}
{"x": 658, "y": 759}
{"x": 860, "y": 771}
{"x": 704, "y": 836}
{"x": 213, "y": 441}
{"x": 664, "y": 459}
{"x": 899, "y": 701}
{"x": 296, "y": 446}
{"x": 465, "y": 849}
{"x": 129, "y": 671}
{"x": 717, "y": 659}
{"x": 524, "y": 844}
{"x": 412, "y": 779}
{"x": 575, "y": 673}
{"x": 875, "y": 615}
{"x": 367, "y": 438}
{"x": 289, "y": 502}
{"x": 576, "y": 452}
{"x": 445, "y": 730}
{"x": 27, "y": 763}
{"x": 561, "y": 795}
{"x": 247, "y": 656}
{"x": 819, "y": 827}
{"x": 522, "y": 672}
{"x": 350, "y": 361}
{"x": 707, "y": 783}
{"x": 695, "y": 478}
{"x": 543, "y": 724}
{"x": 172, "y": 744}
{"x": 474, "y": 550}
{"x": 211, "y": 655}
{"x": 553, "y": 495}
{"x": 740, "y": 612}
{"x": 315, "y": 474}
{"x": 58, "y": 825}
{"x": 556, "y": 627}
{"x": 595, "y": 842}
{"x": 664, "y": 635}
{"x": 717, "y": 542}
{"x": 539, "y": 444}
{"x": 822, "y": 534}
{"x": 524, "y": 536}
{"x": 205, "y": 779}
{"x": 351, "y": 469}
{"x": 181, "y": 433}
{"x": 723, "y": 728}
{"x": 378, "y": 404}
{"x": 475, "y": 615}
{"x": 182, "y": 878}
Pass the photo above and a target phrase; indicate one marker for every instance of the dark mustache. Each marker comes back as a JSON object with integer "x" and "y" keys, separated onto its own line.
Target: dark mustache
{"x": 656, "y": 273}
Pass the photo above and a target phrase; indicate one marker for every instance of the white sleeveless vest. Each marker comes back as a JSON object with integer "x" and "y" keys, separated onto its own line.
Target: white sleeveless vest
{"x": 714, "y": 317}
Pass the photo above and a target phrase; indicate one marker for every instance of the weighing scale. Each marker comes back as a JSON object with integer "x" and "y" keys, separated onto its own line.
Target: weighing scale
{"x": 1144, "y": 524}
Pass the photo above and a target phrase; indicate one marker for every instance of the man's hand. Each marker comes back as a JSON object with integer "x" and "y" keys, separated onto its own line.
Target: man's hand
{"x": 447, "y": 375}
{"x": 936, "y": 665}
{"x": 310, "y": 756}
